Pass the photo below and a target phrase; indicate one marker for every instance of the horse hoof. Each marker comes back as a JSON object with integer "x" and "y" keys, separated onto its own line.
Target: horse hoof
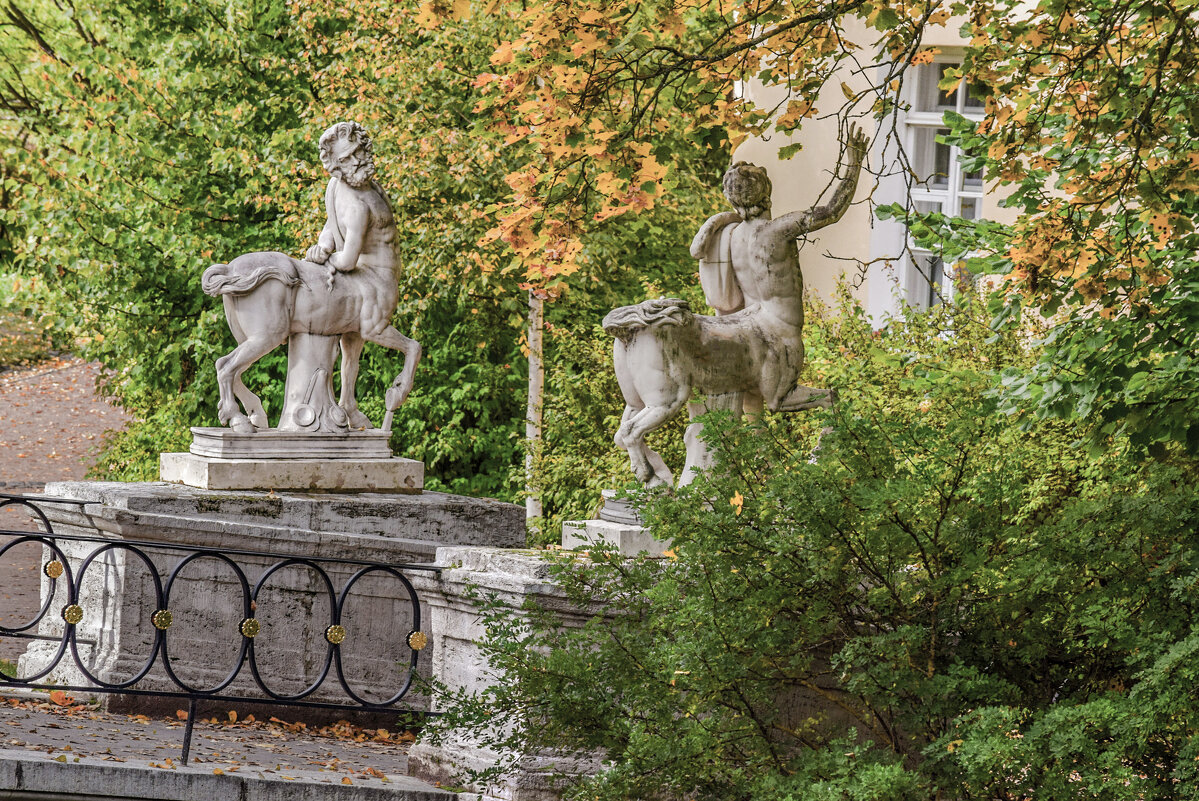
{"x": 395, "y": 396}
{"x": 258, "y": 420}
{"x": 241, "y": 425}
{"x": 357, "y": 419}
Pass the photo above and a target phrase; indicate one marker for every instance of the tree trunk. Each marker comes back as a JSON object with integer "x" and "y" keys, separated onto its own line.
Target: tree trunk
{"x": 536, "y": 395}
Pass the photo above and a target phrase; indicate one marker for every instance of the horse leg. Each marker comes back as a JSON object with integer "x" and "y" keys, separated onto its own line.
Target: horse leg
{"x": 389, "y": 337}
{"x": 351, "y": 351}
{"x": 251, "y": 403}
{"x": 644, "y": 460}
{"x": 634, "y": 431}
{"x": 228, "y": 372}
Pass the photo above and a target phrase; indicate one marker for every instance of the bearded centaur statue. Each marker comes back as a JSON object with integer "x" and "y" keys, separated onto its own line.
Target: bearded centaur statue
{"x": 344, "y": 292}
{"x": 750, "y": 354}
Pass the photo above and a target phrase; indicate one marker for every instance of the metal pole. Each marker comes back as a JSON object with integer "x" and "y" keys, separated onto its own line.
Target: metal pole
{"x": 187, "y": 732}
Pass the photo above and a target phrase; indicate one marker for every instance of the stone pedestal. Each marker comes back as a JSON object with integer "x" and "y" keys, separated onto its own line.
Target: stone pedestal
{"x": 619, "y": 526}
{"x": 458, "y": 662}
{"x": 628, "y": 540}
{"x": 351, "y": 461}
{"x": 339, "y": 475}
{"x": 118, "y": 596}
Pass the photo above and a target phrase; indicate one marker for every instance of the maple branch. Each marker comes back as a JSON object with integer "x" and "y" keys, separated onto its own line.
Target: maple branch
{"x": 820, "y": 16}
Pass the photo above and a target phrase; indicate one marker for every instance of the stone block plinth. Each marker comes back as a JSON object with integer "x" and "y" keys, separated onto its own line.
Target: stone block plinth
{"x": 458, "y": 662}
{"x": 391, "y": 475}
{"x": 626, "y": 538}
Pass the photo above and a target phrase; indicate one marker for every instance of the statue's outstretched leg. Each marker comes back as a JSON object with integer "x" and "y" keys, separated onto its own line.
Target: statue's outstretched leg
{"x": 644, "y": 460}
{"x": 228, "y": 372}
{"x": 634, "y": 430}
{"x": 351, "y": 352}
{"x": 389, "y": 337}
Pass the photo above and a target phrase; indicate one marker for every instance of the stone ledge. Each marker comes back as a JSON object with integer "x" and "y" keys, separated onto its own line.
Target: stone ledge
{"x": 26, "y": 776}
{"x": 340, "y": 475}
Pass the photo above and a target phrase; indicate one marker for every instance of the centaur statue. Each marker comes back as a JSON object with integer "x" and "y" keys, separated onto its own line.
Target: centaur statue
{"x": 750, "y": 354}
{"x": 344, "y": 292}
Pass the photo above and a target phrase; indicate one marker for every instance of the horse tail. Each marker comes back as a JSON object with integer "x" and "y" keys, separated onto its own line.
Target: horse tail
{"x": 626, "y": 321}
{"x": 237, "y": 278}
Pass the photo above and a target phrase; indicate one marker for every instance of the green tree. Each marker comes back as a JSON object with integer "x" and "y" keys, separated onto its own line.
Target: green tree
{"x": 1092, "y": 123}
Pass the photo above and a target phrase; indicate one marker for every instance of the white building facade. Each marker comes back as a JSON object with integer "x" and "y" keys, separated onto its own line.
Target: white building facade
{"x": 876, "y": 256}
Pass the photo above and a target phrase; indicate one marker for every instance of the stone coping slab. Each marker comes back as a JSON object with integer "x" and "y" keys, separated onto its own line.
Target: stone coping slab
{"x": 312, "y": 522}
{"x": 27, "y": 776}
{"x": 224, "y": 443}
{"x": 393, "y": 475}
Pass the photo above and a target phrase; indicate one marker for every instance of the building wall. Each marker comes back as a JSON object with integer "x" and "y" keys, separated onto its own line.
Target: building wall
{"x": 807, "y": 179}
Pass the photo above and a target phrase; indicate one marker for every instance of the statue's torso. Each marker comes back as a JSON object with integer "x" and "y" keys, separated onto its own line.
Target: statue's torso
{"x": 767, "y": 268}
{"x": 378, "y": 241}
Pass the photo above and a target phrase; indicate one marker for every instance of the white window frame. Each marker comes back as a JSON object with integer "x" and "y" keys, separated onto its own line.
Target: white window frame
{"x": 950, "y": 198}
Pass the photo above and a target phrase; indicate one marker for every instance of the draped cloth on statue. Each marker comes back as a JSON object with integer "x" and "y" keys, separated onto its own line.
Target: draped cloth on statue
{"x": 716, "y": 274}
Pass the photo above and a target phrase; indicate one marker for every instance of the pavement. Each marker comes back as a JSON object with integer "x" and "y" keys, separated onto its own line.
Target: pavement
{"x": 70, "y": 730}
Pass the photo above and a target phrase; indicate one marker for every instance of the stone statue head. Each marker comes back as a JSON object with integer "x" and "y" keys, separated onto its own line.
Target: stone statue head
{"x": 346, "y": 153}
{"x": 747, "y": 188}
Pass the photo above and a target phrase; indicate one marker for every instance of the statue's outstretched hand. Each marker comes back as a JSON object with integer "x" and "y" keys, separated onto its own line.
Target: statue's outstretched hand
{"x": 857, "y": 143}
{"x": 317, "y": 254}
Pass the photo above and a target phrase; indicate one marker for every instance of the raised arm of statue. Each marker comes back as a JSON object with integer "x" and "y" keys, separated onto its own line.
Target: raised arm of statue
{"x": 798, "y": 223}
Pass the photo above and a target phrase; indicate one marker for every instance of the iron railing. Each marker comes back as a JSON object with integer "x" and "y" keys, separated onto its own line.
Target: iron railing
{"x": 58, "y": 567}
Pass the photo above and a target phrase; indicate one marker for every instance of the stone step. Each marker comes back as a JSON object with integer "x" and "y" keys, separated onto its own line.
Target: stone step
{"x": 31, "y": 776}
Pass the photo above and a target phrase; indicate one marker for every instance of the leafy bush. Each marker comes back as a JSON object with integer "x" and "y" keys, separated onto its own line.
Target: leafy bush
{"x": 942, "y": 605}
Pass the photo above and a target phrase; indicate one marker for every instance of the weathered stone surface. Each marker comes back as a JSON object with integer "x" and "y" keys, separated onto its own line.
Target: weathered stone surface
{"x": 342, "y": 293}
{"x": 629, "y": 540}
{"x": 394, "y": 475}
{"x": 119, "y": 597}
{"x": 513, "y": 577}
{"x": 28, "y": 776}
{"x": 224, "y": 443}
{"x": 750, "y": 354}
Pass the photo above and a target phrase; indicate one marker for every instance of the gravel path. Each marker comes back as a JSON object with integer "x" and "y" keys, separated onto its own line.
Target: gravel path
{"x": 51, "y": 424}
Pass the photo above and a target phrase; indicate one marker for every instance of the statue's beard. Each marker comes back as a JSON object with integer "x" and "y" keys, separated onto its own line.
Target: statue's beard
{"x": 359, "y": 176}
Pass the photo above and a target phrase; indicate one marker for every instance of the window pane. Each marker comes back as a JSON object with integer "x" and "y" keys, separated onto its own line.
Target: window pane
{"x": 930, "y": 159}
{"x": 932, "y": 273}
{"x": 926, "y": 206}
{"x": 969, "y": 209}
{"x": 975, "y": 95}
{"x": 929, "y": 97}
{"x": 972, "y": 180}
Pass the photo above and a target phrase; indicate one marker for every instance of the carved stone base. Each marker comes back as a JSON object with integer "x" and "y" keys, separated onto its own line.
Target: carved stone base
{"x": 393, "y": 475}
{"x": 618, "y": 510}
{"x": 224, "y": 443}
{"x": 628, "y": 540}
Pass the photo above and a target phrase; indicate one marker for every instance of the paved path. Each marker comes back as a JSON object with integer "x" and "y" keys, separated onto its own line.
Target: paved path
{"x": 76, "y": 731}
{"x": 51, "y": 424}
